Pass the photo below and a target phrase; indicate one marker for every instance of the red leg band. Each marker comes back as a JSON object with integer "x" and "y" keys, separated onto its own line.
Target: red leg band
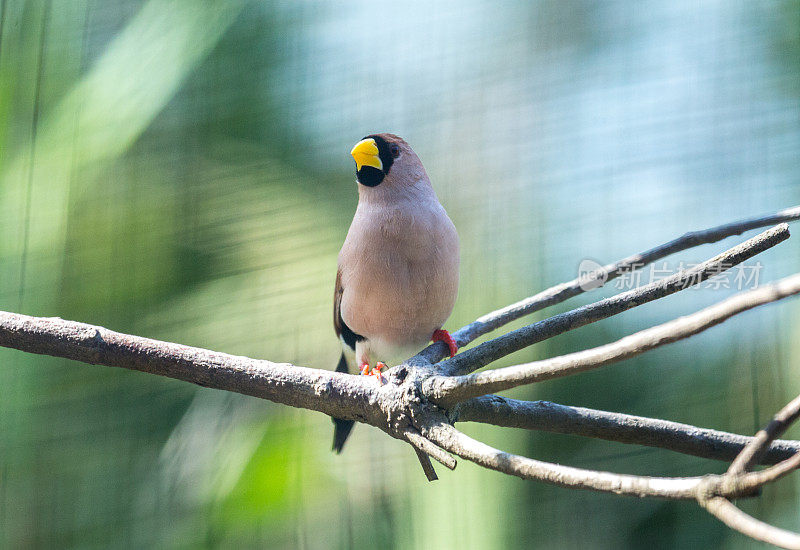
{"x": 442, "y": 335}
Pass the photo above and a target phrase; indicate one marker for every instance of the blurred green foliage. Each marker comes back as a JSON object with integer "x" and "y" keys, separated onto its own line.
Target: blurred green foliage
{"x": 178, "y": 169}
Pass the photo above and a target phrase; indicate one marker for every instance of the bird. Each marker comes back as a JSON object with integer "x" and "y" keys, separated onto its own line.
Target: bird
{"x": 397, "y": 276}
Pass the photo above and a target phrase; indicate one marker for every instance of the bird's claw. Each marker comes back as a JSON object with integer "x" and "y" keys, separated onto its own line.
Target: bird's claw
{"x": 442, "y": 335}
{"x": 376, "y": 372}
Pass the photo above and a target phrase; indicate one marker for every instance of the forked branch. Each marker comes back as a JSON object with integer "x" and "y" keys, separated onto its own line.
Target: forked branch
{"x": 612, "y": 426}
{"x": 422, "y": 398}
{"x": 599, "y": 277}
{"x": 515, "y": 340}
{"x": 724, "y": 510}
{"x": 447, "y": 390}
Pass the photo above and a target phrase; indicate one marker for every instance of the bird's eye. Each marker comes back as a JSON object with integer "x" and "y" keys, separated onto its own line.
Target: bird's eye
{"x": 395, "y": 150}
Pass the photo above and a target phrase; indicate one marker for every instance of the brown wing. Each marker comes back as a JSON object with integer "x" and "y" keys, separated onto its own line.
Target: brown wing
{"x": 337, "y": 302}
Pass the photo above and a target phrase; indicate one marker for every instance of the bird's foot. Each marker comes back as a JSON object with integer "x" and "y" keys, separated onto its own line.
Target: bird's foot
{"x": 376, "y": 372}
{"x": 442, "y": 335}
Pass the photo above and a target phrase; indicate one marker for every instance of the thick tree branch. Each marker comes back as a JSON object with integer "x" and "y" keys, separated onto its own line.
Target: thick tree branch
{"x": 622, "y": 428}
{"x": 564, "y": 291}
{"x": 446, "y": 390}
{"x": 339, "y": 395}
{"x": 516, "y": 340}
{"x": 332, "y": 393}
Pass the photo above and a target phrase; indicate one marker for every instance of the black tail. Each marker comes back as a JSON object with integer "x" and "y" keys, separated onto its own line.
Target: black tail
{"x": 341, "y": 428}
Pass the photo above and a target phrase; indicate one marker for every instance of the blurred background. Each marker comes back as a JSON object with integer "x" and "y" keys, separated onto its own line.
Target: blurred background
{"x": 179, "y": 169}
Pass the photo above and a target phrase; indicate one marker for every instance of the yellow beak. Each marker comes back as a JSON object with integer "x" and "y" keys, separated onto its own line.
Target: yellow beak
{"x": 365, "y": 153}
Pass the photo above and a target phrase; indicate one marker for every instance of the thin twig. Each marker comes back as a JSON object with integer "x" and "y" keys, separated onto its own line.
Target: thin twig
{"x": 562, "y": 292}
{"x": 622, "y": 428}
{"x": 738, "y": 480}
{"x": 446, "y": 390}
{"x": 515, "y": 340}
{"x": 751, "y": 454}
{"x": 427, "y": 467}
{"x": 754, "y": 480}
{"x": 430, "y": 449}
{"x": 460, "y": 444}
{"x": 733, "y": 517}
{"x": 675, "y": 488}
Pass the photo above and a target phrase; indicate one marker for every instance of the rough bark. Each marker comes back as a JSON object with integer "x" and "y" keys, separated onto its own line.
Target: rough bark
{"x": 419, "y": 401}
